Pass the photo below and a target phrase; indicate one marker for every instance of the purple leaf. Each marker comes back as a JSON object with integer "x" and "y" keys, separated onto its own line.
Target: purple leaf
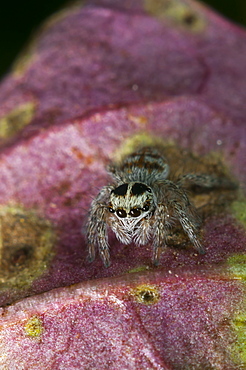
{"x": 100, "y": 80}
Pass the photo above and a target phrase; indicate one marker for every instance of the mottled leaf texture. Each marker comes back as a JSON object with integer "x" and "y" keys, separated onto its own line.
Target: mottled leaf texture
{"x": 103, "y": 78}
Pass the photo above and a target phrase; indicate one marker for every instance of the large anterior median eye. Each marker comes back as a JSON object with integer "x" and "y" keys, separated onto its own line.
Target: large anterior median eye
{"x": 121, "y": 213}
{"x": 135, "y": 212}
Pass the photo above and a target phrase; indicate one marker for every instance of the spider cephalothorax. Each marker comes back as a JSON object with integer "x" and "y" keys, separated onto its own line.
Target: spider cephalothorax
{"x": 142, "y": 205}
{"x": 130, "y": 204}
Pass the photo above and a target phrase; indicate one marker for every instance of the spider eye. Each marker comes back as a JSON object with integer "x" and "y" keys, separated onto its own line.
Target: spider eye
{"x": 135, "y": 212}
{"x": 111, "y": 210}
{"x": 145, "y": 208}
{"x": 121, "y": 213}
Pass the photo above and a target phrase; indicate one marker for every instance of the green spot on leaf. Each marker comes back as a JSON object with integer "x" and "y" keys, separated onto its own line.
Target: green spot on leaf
{"x": 237, "y": 265}
{"x": 239, "y": 347}
{"x": 138, "y": 269}
{"x": 239, "y": 210}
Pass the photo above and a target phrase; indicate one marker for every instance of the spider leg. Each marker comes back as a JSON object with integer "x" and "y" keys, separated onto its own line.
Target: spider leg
{"x": 161, "y": 226}
{"x": 206, "y": 181}
{"x": 178, "y": 202}
{"x": 189, "y": 224}
{"x": 97, "y": 227}
{"x": 187, "y": 216}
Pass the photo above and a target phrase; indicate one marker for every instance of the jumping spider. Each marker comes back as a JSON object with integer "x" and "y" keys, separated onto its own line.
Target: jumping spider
{"x": 142, "y": 205}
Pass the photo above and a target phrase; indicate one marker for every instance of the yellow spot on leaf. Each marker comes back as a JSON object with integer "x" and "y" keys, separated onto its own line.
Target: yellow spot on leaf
{"x": 134, "y": 142}
{"x": 26, "y": 247}
{"x": 17, "y": 119}
{"x": 146, "y": 294}
{"x": 177, "y": 12}
{"x": 34, "y": 327}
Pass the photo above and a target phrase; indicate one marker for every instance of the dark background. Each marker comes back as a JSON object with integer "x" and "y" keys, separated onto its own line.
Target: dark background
{"x": 19, "y": 19}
